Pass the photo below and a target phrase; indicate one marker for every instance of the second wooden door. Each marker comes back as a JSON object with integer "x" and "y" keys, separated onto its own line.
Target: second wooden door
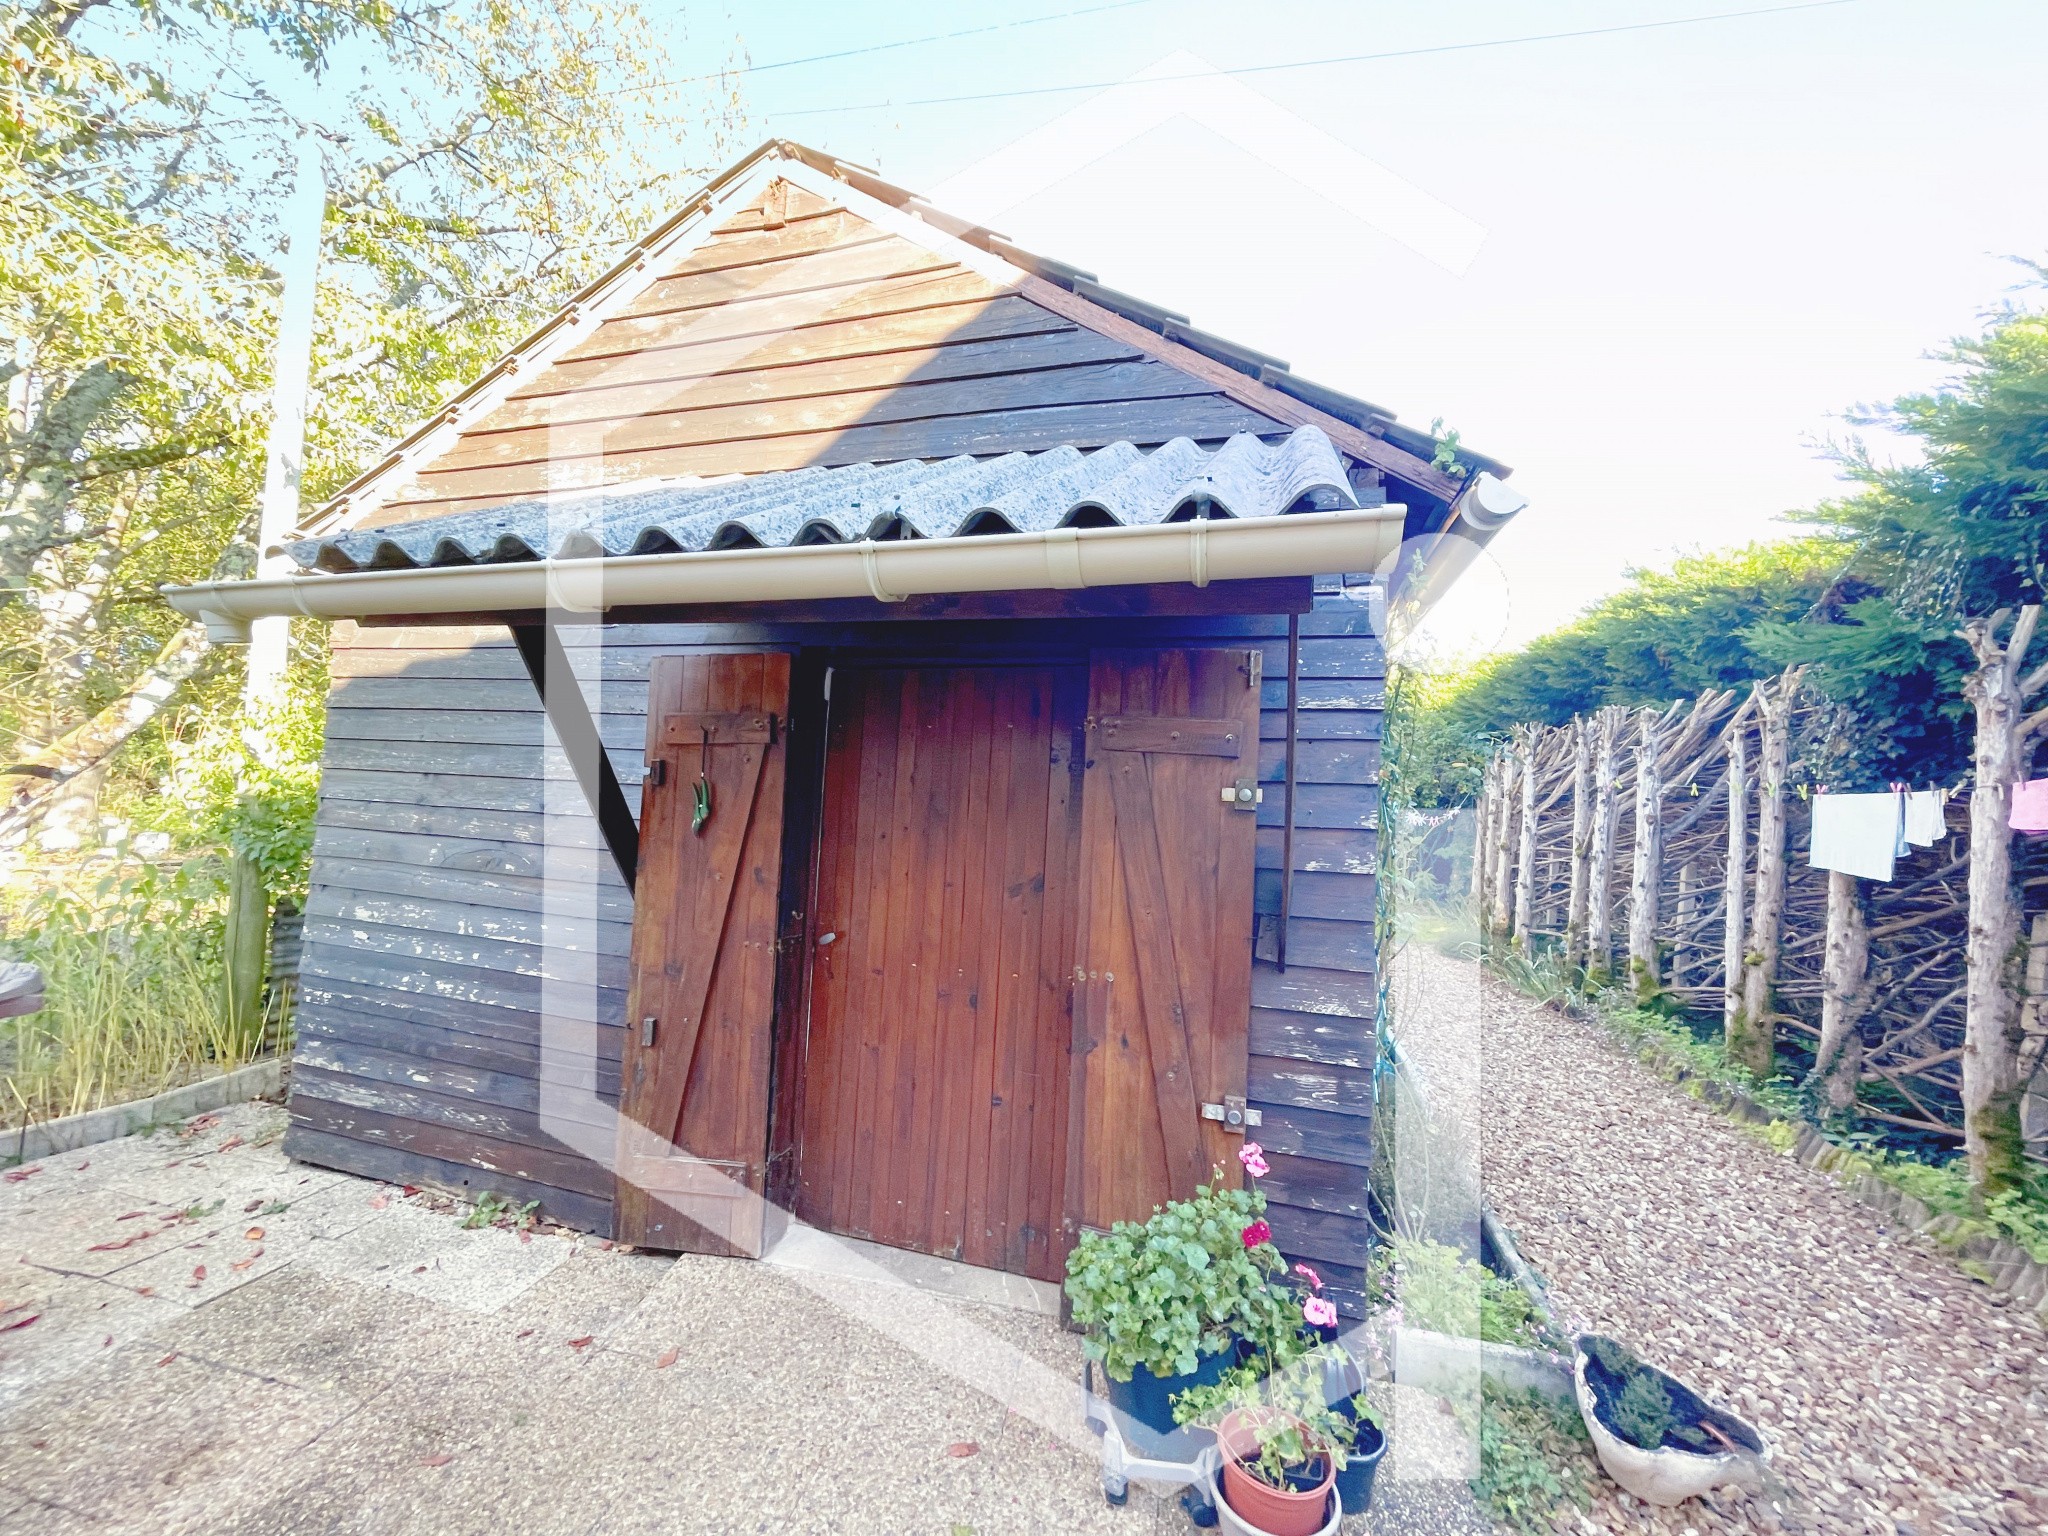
{"x": 934, "y": 1074}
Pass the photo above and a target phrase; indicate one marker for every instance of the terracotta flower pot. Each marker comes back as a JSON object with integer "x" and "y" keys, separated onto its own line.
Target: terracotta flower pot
{"x": 1256, "y": 1502}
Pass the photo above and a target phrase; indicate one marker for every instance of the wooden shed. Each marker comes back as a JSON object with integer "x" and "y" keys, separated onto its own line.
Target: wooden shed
{"x": 855, "y": 721}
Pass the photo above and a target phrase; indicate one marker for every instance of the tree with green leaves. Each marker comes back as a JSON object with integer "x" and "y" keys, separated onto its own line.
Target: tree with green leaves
{"x": 482, "y": 159}
{"x": 1668, "y": 634}
{"x": 1930, "y": 670}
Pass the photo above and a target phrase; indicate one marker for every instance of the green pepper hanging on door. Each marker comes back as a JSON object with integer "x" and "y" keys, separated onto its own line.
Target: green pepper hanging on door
{"x": 700, "y": 792}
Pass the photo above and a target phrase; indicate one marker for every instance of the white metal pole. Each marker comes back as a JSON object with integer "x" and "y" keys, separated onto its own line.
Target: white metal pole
{"x": 284, "y": 460}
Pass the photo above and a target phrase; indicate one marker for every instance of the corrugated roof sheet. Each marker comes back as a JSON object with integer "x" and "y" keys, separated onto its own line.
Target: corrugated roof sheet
{"x": 1015, "y": 493}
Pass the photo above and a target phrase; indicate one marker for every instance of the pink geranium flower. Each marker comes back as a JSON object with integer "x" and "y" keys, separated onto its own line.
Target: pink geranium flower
{"x": 1253, "y": 1156}
{"x": 1319, "y": 1312}
{"x": 1258, "y": 1232}
{"x": 1315, "y": 1280}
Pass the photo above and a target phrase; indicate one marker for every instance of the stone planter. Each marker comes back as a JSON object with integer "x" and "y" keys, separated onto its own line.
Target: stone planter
{"x": 1671, "y": 1474}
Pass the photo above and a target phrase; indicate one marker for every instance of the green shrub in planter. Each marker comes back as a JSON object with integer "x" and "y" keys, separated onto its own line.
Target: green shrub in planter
{"x": 1164, "y": 1292}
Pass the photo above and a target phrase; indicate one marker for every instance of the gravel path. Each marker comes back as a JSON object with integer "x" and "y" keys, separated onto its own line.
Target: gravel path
{"x": 1901, "y": 1398}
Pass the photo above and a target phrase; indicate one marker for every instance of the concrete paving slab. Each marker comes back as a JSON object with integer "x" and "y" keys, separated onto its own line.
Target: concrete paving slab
{"x": 153, "y": 1439}
{"x": 308, "y": 1331}
{"x": 428, "y": 1254}
{"x": 590, "y": 1293}
{"x": 247, "y": 1239}
{"x": 78, "y": 1318}
{"x": 92, "y": 1231}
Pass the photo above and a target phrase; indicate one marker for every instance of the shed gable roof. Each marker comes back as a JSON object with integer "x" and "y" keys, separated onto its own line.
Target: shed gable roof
{"x": 800, "y": 313}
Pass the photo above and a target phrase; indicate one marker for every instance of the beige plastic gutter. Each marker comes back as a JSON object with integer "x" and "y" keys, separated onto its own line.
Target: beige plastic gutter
{"x": 1063, "y": 559}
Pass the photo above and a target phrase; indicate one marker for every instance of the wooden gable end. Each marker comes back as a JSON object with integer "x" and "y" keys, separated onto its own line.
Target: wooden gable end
{"x": 802, "y": 334}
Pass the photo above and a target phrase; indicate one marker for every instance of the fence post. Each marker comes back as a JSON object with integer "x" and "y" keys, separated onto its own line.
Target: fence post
{"x": 1993, "y": 956}
{"x": 1647, "y": 876}
{"x": 1845, "y": 994}
{"x": 1503, "y": 847}
{"x": 1752, "y": 1031}
{"x": 1732, "y": 883}
{"x": 1600, "y": 872}
{"x": 1582, "y": 841}
{"x": 1525, "y": 851}
{"x": 1482, "y": 826}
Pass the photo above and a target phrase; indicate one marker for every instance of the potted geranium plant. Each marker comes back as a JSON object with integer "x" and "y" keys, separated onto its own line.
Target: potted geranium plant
{"x": 1282, "y": 1439}
{"x": 1164, "y": 1302}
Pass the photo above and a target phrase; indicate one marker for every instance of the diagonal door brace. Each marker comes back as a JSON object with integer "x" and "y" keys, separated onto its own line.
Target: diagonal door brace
{"x": 540, "y": 647}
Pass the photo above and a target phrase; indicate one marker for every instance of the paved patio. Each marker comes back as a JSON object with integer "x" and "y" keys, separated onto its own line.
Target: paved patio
{"x": 223, "y": 1340}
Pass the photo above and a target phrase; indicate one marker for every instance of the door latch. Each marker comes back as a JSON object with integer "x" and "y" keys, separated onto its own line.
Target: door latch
{"x": 1235, "y": 1114}
{"x": 1243, "y": 795}
{"x": 647, "y": 1030}
{"x": 655, "y": 774}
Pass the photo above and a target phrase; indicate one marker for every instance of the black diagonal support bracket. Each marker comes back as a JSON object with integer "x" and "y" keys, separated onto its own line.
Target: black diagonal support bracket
{"x": 547, "y": 663}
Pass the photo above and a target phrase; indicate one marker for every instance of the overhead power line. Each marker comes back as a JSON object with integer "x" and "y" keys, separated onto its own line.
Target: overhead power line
{"x": 906, "y": 42}
{"x": 1292, "y": 64}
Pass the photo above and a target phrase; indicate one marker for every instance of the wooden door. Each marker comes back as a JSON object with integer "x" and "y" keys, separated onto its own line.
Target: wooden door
{"x": 1163, "y": 976}
{"x": 693, "y": 1102}
{"x": 935, "y": 1072}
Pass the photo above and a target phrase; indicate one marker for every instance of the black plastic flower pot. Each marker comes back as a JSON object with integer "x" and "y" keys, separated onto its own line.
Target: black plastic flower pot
{"x": 1354, "y": 1479}
{"x": 1144, "y": 1406}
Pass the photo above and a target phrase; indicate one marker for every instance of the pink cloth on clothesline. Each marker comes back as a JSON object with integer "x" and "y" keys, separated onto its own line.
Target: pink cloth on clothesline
{"x": 2029, "y": 807}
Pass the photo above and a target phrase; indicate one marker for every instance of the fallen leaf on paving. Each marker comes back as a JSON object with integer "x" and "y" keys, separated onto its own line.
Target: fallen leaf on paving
{"x": 145, "y": 1290}
{"x": 253, "y": 1205}
{"x": 16, "y": 1175}
{"x": 525, "y": 1236}
{"x": 19, "y": 1322}
{"x": 524, "y": 1333}
{"x": 245, "y": 1263}
{"x": 126, "y": 1242}
{"x": 84, "y": 1165}
{"x": 167, "y": 1359}
{"x": 229, "y": 1145}
{"x": 419, "y": 1269}
{"x": 668, "y": 1358}
{"x": 131, "y": 1216}
{"x": 409, "y": 1190}
{"x": 378, "y": 1202}
{"x": 107, "y": 1342}
{"x": 254, "y": 1234}
{"x": 198, "y": 1273}
{"x": 963, "y": 1448}
{"x": 583, "y": 1343}
{"x": 438, "y": 1459}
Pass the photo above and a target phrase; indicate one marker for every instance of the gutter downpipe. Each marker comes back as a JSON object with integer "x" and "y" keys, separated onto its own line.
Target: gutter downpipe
{"x": 1199, "y": 552}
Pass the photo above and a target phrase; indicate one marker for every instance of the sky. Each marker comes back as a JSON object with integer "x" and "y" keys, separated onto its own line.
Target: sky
{"x": 1649, "y": 269}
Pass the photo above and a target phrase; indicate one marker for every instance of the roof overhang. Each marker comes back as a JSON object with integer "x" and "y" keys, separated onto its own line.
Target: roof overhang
{"x": 1197, "y": 552}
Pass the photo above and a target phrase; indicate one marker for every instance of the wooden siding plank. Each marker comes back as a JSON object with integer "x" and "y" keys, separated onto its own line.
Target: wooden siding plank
{"x": 564, "y": 445}
{"x": 1338, "y": 1189}
{"x": 383, "y": 1151}
{"x": 502, "y": 1140}
{"x": 966, "y": 319}
{"x": 757, "y": 386}
{"x": 1021, "y": 428}
{"x": 1330, "y": 1039}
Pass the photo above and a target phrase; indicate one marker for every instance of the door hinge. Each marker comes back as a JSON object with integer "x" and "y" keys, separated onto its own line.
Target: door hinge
{"x": 647, "y": 1030}
{"x": 1253, "y": 667}
{"x": 1235, "y": 1114}
{"x": 1243, "y": 795}
{"x": 655, "y": 774}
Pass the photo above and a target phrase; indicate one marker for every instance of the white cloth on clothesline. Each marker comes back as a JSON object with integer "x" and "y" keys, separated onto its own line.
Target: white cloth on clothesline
{"x": 1856, "y": 834}
{"x": 1926, "y": 824}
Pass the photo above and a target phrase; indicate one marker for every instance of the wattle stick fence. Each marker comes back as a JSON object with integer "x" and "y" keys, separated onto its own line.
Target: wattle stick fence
{"x": 1609, "y": 843}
